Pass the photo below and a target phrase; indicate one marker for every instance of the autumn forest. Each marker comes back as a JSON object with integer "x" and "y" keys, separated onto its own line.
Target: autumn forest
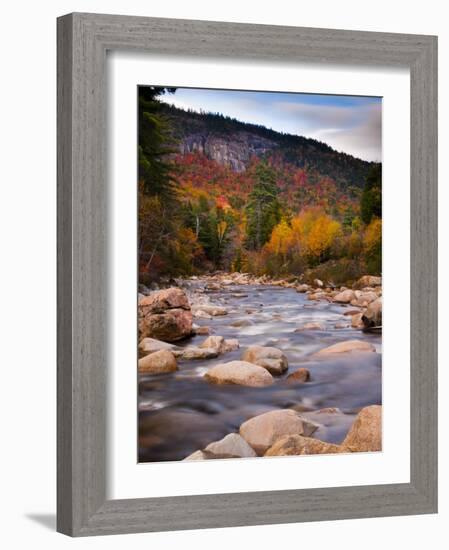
{"x": 292, "y": 206}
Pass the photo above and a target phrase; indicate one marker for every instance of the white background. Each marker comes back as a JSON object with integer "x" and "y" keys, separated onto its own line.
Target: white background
{"x": 131, "y": 480}
{"x": 28, "y": 320}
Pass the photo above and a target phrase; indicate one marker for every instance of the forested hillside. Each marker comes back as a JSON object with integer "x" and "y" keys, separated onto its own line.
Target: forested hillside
{"x": 216, "y": 193}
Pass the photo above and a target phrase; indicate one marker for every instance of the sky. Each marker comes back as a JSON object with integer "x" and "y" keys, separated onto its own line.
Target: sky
{"x": 351, "y": 124}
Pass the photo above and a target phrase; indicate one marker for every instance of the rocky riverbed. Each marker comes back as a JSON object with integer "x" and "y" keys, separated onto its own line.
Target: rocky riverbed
{"x": 236, "y": 366}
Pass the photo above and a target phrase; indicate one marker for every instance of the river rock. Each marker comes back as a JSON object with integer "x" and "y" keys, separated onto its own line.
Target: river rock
{"x": 232, "y": 444}
{"x": 241, "y": 373}
{"x": 208, "y": 455}
{"x": 356, "y": 321}
{"x": 368, "y": 280}
{"x": 220, "y": 344}
{"x": 352, "y": 312}
{"x": 194, "y": 352}
{"x": 299, "y": 376}
{"x": 197, "y": 455}
{"x": 347, "y": 346}
{"x": 216, "y": 342}
{"x": 344, "y": 297}
{"x": 318, "y": 282}
{"x": 372, "y": 318}
{"x": 150, "y": 345}
{"x": 200, "y": 314}
{"x": 159, "y": 362}
{"x": 320, "y": 295}
{"x": 165, "y": 315}
{"x": 230, "y": 344}
{"x": 302, "y": 288}
{"x": 210, "y": 309}
{"x": 267, "y": 357}
{"x": 291, "y": 445}
{"x": 213, "y": 286}
{"x": 201, "y": 331}
{"x": 262, "y": 431}
{"x": 241, "y": 323}
{"x": 365, "y": 434}
{"x": 310, "y": 326}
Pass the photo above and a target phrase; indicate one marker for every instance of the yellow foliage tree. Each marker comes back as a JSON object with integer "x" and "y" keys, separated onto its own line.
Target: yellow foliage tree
{"x": 281, "y": 239}
{"x": 322, "y": 236}
{"x": 314, "y": 232}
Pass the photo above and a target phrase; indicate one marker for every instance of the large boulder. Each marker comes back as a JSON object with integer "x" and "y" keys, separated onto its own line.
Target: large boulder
{"x": 300, "y": 445}
{"x": 344, "y": 297}
{"x": 241, "y": 373}
{"x": 365, "y": 434}
{"x": 165, "y": 315}
{"x": 368, "y": 280}
{"x": 159, "y": 362}
{"x": 372, "y": 318}
{"x": 347, "y": 346}
{"x": 232, "y": 444}
{"x": 267, "y": 357}
{"x": 262, "y": 431}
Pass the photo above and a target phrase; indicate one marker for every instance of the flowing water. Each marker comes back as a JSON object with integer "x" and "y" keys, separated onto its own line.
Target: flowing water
{"x": 181, "y": 412}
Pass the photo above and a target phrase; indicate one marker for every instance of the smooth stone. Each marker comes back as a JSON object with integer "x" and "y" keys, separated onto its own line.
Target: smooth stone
{"x": 159, "y": 362}
{"x": 344, "y": 297}
{"x": 241, "y": 373}
{"x": 193, "y": 352}
{"x": 262, "y": 431}
{"x": 233, "y": 444}
{"x": 150, "y": 345}
{"x": 347, "y": 346}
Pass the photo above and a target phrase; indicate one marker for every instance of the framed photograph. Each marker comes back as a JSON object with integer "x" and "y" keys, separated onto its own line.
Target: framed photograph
{"x": 247, "y": 280}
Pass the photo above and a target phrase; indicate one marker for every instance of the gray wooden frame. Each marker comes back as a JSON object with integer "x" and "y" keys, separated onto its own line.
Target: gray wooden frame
{"x": 83, "y": 40}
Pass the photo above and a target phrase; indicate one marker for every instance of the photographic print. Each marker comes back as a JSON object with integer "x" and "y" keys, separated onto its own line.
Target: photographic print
{"x": 260, "y": 274}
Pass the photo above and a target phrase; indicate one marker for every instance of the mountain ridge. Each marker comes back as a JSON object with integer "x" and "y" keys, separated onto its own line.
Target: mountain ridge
{"x": 233, "y": 143}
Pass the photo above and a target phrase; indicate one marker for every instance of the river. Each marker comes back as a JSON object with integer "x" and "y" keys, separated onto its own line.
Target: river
{"x": 181, "y": 412}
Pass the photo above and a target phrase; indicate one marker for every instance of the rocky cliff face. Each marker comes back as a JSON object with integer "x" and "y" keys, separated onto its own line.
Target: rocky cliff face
{"x": 235, "y": 153}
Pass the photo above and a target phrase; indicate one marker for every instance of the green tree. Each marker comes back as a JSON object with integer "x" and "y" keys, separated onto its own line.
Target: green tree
{"x": 263, "y": 209}
{"x": 156, "y": 170}
{"x": 371, "y": 199}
